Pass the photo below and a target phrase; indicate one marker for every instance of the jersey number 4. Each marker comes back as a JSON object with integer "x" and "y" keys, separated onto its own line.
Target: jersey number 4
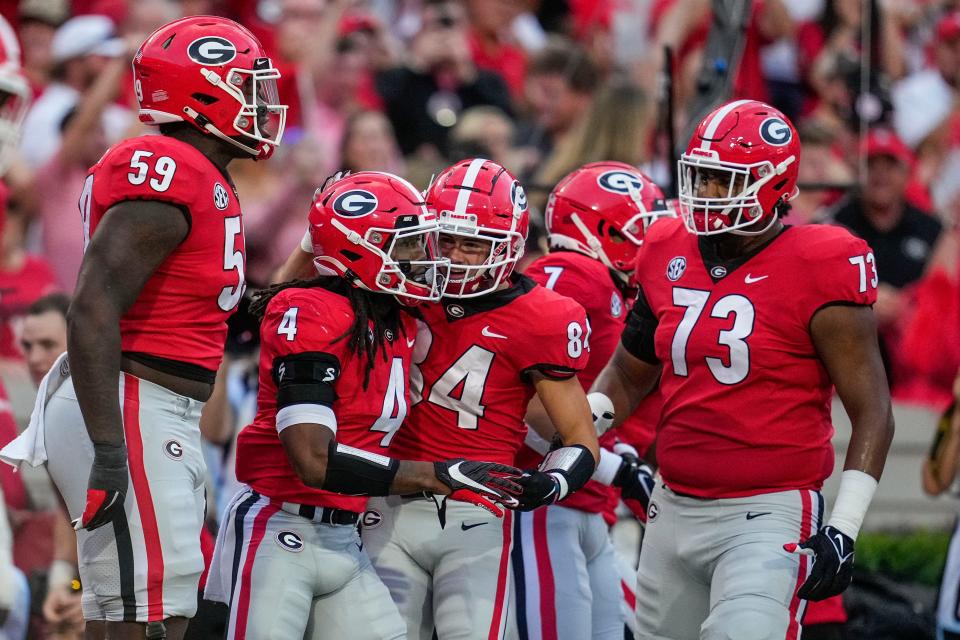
{"x": 735, "y": 338}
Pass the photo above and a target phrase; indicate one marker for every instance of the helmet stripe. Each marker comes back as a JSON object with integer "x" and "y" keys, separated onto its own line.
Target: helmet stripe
{"x": 711, "y": 129}
{"x": 463, "y": 197}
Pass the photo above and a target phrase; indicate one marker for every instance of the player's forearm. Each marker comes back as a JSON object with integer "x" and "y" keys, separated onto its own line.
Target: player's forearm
{"x": 626, "y": 381}
{"x": 872, "y": 433}
{"x": 93, "y": 342}
{"x": 414, "y": 477}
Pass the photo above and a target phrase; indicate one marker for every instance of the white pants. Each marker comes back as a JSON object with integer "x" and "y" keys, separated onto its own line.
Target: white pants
{"x": 147, "y": 565}
{"x": 567, "y": 583}
{"x": 286, "y": 578}
{"x": 716, "y": 569}
{"x": 456, "y": 580}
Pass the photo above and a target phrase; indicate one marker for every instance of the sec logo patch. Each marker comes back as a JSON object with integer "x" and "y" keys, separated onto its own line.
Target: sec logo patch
{"x": 290, "y": 541}
{"x": 221, "y": 199}
{"x": 616, "y": 305}
{"x": 676, "y": 268}
{"x": 173, "y": 449}
{"x": 371, "y": 519}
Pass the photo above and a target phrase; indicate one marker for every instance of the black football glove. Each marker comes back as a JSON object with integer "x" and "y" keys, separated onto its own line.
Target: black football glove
{"x": 480, "y": 483}
{"x": 106, "y": 487}
{"x": 536, "y": 489}
{"x": 635, "y": 479}
{"x": 831, "y": 552}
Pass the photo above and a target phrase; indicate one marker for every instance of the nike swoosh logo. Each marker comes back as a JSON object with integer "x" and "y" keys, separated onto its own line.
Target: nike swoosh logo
{"x": 490, "y": 334}
{"x": 751, "y": 515}
{"x": 839, "y": 545}
{"x": 466, "y": 527}
{"x": 410, "y": 343}
{"x": 456, "y": 475}
{"x": 749, "y": 279}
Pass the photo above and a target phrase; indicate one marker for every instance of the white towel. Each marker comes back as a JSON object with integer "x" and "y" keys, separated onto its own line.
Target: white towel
{"x": 29, "y": 446}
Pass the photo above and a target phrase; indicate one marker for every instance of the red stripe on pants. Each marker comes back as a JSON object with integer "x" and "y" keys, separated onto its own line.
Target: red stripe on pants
{"x": 793, "y": 629}
{"x": 496, "y": 623}
{"x": 243, "y": 596}
{"x": 628, "y": 595}
{"x": 548, "y": 596}
{"x": 141, "y": 490}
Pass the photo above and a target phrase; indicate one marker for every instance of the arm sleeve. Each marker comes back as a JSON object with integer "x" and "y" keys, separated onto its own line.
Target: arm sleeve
{"x": 843, "y": 271}
{"x": 150, "y": 168}
{"x": 560, "y": 343}
{"x": 638, "y": 334}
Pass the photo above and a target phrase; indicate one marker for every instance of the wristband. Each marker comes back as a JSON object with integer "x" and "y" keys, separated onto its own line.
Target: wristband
{"x": 853, "y": 498}
{"x": 61, "y": 574}
{"x": 608, "y": 467}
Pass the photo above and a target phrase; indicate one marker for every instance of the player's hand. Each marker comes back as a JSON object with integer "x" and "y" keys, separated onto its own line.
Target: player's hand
{"x": 62, "y": 609}
{"x": 635, "y": 479}
{"x": 107, "y": 486}
{"x": 832, "y": 554}
{"x": 480, "y": 483}
{"x": 537, "y": 489}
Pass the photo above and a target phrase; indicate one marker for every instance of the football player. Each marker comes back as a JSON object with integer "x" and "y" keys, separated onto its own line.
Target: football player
{"x": 751, "y": 325}
{"x": 334, "y": 361}
{"x": 493, "y": 341}
{"x": 163, "y": 269}
{"x": 596, "y": 218}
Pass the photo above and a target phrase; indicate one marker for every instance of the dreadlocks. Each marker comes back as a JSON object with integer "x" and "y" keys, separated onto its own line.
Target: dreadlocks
{"x": 375, "y": 316}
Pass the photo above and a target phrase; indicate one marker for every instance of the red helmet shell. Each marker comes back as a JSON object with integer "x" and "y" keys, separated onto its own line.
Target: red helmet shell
{"x": 213, "y": 73}
{"x": 602, "y": 210}
{"x": 356, "y": 225}
{"x": 478, "y": 198}
{"x": 754, "y": 151}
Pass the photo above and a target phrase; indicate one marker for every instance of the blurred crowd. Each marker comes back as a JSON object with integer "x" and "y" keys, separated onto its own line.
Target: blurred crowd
{"x": 410, "y": 86}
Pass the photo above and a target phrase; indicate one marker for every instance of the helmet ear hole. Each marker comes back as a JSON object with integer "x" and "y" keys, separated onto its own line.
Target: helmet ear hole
{"x": 204, "y": 98}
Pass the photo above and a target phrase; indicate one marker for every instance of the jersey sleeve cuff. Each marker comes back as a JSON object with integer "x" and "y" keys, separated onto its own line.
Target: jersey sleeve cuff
{"x": 306, "y": 414}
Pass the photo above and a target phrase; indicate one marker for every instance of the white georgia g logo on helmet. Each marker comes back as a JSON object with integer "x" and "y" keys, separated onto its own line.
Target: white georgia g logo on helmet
{"x": 619, "y": 181}
{"x": 355, "y": 203}
{"x": 775, "y": 131}
{"x": 212, "y": 50}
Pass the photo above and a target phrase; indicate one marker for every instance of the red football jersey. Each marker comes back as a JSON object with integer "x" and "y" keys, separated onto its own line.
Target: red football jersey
{"x": 182, "y": 311}
{"x": 589, "y": 282}
{"x": 312, "y": 320}
{"x": 469, "y": 381}
{"x": 746, "y": 400}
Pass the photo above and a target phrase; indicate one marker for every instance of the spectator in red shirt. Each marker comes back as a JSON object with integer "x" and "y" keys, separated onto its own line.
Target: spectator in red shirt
{"x": 491, "y": 41}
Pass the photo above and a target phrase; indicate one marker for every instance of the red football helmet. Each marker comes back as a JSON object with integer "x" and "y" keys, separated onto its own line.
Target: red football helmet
{"x": 480, "y": 200}
{"x": 14, "y": 94}
{"x": 603, "y": 210}
{"x": 214, "y": 74}
{"x": 753, "y": 152}
{"x": 373, "y": 229}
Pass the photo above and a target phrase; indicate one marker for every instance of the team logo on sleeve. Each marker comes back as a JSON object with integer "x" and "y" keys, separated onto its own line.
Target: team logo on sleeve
{"x": 290, "y": 541}
{"x": 676, "y": 268}
{"x": 212, "y": 50}
{"x": 616, "y": 305}
{"x": 518, "y": 197}
{"x": 355, "y": 203}
{"x": 221, "y": 199}
{"x": 775, "y": 131}
{"x": 619, "y": 182}
{"x": 173, "y": 449}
